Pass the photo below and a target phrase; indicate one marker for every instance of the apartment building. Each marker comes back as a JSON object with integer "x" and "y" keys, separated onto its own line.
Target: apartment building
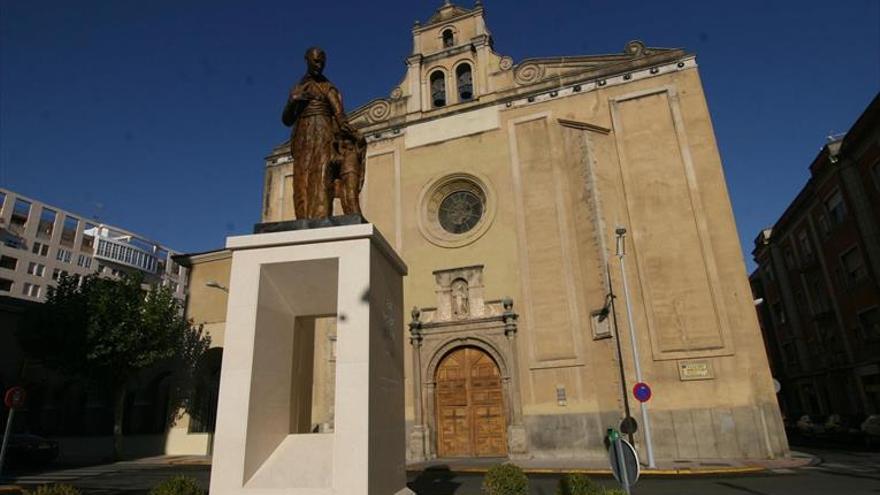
{"x": 39, "y": 243}
{"x": 818, "y": 281}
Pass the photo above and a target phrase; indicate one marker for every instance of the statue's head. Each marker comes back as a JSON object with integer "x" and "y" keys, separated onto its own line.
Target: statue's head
{"x": 315, "y": 61}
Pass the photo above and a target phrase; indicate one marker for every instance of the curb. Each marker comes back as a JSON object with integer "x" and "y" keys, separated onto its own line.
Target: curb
{"x": 189, "y": 462}
{"x": 607, "y": 472}
{"x": 680, "y": 471}
{"x": 814, "y": 459}
{"x": 657, "y": 472}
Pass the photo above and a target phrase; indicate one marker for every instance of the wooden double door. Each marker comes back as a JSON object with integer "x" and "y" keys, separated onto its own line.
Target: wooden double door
{"x": 470, "y": 406}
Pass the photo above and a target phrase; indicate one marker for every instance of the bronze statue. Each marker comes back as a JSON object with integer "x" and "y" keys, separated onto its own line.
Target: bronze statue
{"x": 348, "y": 169}
{"x": 328, "y": 153}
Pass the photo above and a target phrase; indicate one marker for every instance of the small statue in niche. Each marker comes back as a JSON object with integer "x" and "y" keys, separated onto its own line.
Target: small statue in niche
{"x": 460, "y": 306}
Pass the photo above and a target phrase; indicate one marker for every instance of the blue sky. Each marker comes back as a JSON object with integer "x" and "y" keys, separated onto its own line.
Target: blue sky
{"x": 156, "y": 115}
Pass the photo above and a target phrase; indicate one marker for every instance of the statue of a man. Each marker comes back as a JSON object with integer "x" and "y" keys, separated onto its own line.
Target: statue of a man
{"x": 328, "y": 154}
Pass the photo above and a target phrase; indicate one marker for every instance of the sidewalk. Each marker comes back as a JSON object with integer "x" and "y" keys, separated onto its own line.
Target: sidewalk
{"x": 599, "y": 468}
{"x": 439, "y": 477}
{"x": 556, "y": 466}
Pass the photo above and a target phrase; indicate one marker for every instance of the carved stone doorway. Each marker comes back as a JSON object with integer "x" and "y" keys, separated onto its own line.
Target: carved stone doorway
{"x": 470, "y": 405}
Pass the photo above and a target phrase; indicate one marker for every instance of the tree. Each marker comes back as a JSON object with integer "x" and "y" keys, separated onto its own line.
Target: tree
{"x": 108, "y": 330}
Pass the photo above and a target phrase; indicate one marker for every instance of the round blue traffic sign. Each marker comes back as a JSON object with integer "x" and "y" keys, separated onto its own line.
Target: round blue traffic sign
{"x": 642, "y": 392}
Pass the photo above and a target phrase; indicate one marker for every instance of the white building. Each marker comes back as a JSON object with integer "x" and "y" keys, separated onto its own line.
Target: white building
{"x": 39, "y": 243}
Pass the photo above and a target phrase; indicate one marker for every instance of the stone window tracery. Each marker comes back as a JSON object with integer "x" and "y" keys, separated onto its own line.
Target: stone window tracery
{"x": 456, "y": 210}
{"x": 460, "y": 212}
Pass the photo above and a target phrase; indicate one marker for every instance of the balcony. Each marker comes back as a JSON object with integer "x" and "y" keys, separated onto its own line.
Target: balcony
{"x": 126, "y": 254}
{"x": 13, "y": 239}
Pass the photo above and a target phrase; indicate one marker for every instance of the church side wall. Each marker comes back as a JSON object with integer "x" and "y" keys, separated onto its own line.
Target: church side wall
{"x": 557, "y": 192}
{"x": 658, "y": 172}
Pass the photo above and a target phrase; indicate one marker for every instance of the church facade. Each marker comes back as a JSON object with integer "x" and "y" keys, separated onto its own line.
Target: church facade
{"x": 502, "y": 185}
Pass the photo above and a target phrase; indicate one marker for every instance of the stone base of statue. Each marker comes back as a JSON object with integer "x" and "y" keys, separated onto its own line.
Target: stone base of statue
{"x": 263, "y": 441}
{"x": 335, "y": 221}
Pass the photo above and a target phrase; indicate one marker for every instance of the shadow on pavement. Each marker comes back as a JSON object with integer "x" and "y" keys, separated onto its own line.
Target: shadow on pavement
{"x": 435, "y": 480}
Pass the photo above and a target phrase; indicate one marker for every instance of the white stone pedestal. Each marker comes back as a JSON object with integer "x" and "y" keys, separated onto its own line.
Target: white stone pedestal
{"x": 263, "y": 444}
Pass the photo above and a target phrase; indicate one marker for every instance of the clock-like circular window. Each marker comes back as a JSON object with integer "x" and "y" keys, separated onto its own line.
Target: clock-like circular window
{"x": 456, "y": 210}
{"x": 460, "y": 212}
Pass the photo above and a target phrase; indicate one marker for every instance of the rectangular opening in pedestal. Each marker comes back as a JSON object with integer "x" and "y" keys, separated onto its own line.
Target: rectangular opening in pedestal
{"x": 313, "y": 374}
{"x": 294, "y": 304}
{"x": 302, "y": 382}
{"x": 324, "y": 375}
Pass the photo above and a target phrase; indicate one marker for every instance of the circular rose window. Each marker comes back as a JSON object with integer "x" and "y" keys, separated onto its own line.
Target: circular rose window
{"x": 455, "y": 210}
{"x": 460, "y": 212}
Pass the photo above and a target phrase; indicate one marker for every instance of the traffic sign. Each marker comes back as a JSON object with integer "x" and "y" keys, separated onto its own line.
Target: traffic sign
{"x": 624, "y": 461}
{"x": 14, "y": 398}
{"x": 642, "y": 392}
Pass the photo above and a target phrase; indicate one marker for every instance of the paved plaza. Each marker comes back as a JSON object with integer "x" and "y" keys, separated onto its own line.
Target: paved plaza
{"x": 837, "y": 472}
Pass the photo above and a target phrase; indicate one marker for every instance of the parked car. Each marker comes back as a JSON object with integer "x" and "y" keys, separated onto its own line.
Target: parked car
{"x": 834, "y": 424}
{"x": 806, "y": 426}
{"x": 871, "y": 429}
{"x": 24, "y": 448}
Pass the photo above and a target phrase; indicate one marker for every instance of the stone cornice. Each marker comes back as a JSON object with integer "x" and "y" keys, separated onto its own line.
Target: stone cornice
{"x": 447, "y": 52}
{"x": 488, "y": 322}
{"x": 190, "y": 259}
{"x": 565, "y": 85}
{"x": 535, "y": 80}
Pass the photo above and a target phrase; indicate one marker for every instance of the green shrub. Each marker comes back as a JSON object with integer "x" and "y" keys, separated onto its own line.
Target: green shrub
{"x": 54, "y": 490}
{"x": 611, "y": 491}
{"x": 576, "y": 484}
{"x": 505, "y": 479}
{"x": 178, "y": 485}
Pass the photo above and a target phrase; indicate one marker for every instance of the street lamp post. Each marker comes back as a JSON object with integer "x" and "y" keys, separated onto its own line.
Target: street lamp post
{"x": 646, "y": 424}
{"x": 610, "y": 308}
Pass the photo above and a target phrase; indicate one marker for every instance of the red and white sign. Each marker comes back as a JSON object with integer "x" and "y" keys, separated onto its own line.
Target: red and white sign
{"x": 15, "y": 397}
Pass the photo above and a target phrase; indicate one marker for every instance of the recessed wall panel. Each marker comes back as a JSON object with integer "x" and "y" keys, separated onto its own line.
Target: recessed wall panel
{"x": 549, "y": 309}
{"x": 672, "y": 251}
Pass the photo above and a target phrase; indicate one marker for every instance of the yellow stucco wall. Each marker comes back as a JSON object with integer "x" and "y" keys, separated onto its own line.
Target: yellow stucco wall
{"x": 561, "y": 173}
{"x": 207, "y": 305}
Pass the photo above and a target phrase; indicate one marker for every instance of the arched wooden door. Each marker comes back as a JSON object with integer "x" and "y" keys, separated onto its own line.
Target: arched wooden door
{"x": 470, "y": 406}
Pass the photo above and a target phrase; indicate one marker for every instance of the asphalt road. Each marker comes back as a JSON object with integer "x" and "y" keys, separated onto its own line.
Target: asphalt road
{"x": 841, "y": 472}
